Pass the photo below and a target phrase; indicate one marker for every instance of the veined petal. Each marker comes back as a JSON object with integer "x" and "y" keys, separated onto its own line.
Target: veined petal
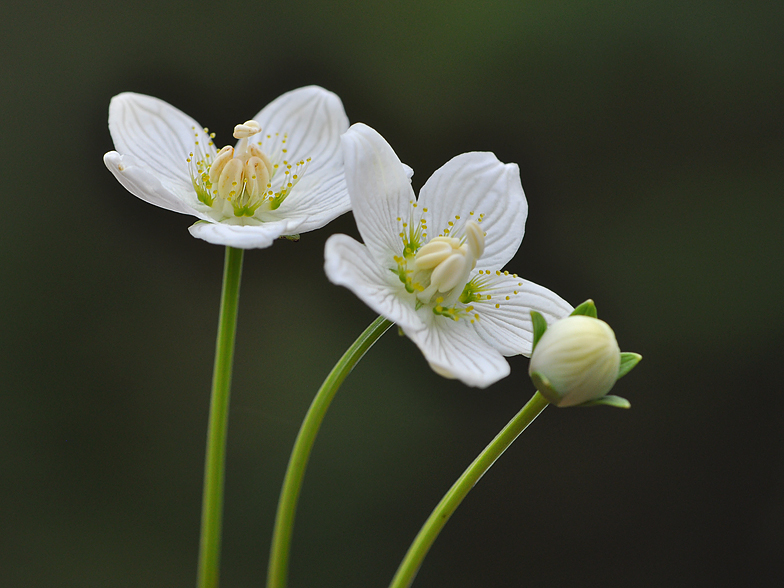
{"x": 142, "y": 183}
{"x": 159, "y": 137}
{"x": 454, "y": 350}
{"x": 380, "y": 190}
{"x": 349, "y": 263}
{"x": 505, "y": 318}
{"x": 313, "y": 120}
{"x": 480, "y": 184}
{"x": 319, "y": 199}
{"x": 243, "y": 236}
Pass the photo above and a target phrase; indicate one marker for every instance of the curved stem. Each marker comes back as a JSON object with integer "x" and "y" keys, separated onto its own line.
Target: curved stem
{"x": 452, "y": 499}
{"x": 215, "y": 461}
{"x": 284, "y": 521}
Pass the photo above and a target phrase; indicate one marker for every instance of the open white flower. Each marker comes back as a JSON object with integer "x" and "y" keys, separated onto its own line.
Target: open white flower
{"x": 434, "y": 265}
{"x": 284, "y": 176}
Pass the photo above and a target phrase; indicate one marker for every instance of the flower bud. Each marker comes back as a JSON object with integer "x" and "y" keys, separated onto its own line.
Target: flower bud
{"x": 577, "y": 359}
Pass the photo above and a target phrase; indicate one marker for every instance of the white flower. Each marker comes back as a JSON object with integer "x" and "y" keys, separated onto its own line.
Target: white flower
{"x": 579, "y": 356}
{"x": 283, "y": 177}
{"x": 433, "y": 266}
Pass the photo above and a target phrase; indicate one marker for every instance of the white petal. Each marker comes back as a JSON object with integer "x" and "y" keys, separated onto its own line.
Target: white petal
{"x": 508, "y": 328}
{"x": 479, "y": 183}
{"x": 321, "y": 200}
{"x": 243, "y": 236}
{"x": 349, "y": 263}
{"x": 380, "y": 190}
{"x": 159, "y": 137}
{"x": 140, "y": 182}
{"x": 313, "y": 120}
{"x": 454, "y": 350}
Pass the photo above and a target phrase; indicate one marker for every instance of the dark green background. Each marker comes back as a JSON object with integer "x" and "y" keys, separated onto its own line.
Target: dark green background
{"x": 649, "y": 137}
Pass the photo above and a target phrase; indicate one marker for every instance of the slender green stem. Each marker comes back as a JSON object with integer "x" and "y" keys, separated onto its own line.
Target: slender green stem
{"x": 460, "y": 489}
{"x": 214, "y": 466}
{"x": 277, "y": 573}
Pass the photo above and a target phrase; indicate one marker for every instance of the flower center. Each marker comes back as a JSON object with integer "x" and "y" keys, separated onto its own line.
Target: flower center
{"x": 449, "y": 261}
{"x": 438, "y": 271}
{"x": 238, "y": 181}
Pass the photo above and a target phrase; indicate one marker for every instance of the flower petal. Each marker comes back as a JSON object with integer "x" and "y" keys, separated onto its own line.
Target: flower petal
{"x": 319, "y": 199}
{"x": 142, "y": 183}
{"x": 243, "y": 236}
{"x": 505, "y": 319}
{"x": 454, "y": 350}
{"x": 474, "y": 184}
{"x": 313, "y": 119}
{"x": 349, "y": 263}
{"x": 159, "y": 136}
{"x": 380, "y": 190}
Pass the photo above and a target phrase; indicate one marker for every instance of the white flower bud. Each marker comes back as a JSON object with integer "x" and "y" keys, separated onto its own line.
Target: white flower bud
{"x": 580, "y": 358}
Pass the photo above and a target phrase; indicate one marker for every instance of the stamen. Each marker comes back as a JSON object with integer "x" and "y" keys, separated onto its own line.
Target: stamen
{"x": 230, "y": 178}
{"x": 255, "y": 151}
{"x": 433, "y": 253}
{"x": 242, "y": 175}
{"x": 224, "y": 156}
{"x": 450, "y": 272}
{"x": 256, "y": 178}
{"x": 475, "y": 239}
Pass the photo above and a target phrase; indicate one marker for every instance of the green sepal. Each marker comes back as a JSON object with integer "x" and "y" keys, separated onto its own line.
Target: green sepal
{"x": 400, "y": 332}
{"x": 540, "y": 326}
{"x": 608, "y": 400}
{"x": 545, "y": 388}
{"x": 587, "y": 308}
{"x": 628, "y": 361}
{"x": 290, "y": 237}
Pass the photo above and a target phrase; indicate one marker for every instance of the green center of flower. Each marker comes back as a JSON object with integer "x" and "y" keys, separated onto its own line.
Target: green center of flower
{"x": 437, "y": 270}
{"x": 238, "y": 181}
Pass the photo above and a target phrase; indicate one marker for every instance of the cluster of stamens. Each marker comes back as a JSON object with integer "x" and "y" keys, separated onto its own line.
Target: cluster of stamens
{"x": 238, "y": 180}
{"x": 437, "y": 271}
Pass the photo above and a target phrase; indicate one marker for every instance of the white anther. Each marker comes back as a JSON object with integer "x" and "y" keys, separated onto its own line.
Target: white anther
{"x": 433, "y": 253}
{"x": 246, "y": 129}
{"x": 475, "y": 239}
{"x": 230, "y": 181}
{"x": 455, "y": 243}
{"x": 256, "y": 177}
{"x": 223, "y": 157}
{"x": 451, "y": 272}
{"x": 256, "y": 151}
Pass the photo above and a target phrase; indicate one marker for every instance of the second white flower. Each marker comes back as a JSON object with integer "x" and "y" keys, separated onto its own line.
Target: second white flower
{"x": 434, "y": 265}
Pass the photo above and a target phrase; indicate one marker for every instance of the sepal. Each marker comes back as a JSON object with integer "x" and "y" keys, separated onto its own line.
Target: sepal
{"x": 608, "y": 400}
{"x": 545, "y": 388}
{"x": 587, "y": 308}
{"x": 540, "y": 326}
{"x": 628, "y": 361}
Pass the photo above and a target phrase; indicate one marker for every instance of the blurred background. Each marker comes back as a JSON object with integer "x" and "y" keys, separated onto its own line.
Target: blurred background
{"x": 649, "y": 137}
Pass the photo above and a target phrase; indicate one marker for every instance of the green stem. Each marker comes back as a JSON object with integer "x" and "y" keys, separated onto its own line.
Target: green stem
{"x": 214, "y": 466}
{"x": 460, "y": 489}
{"x": 284, "y": 521}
